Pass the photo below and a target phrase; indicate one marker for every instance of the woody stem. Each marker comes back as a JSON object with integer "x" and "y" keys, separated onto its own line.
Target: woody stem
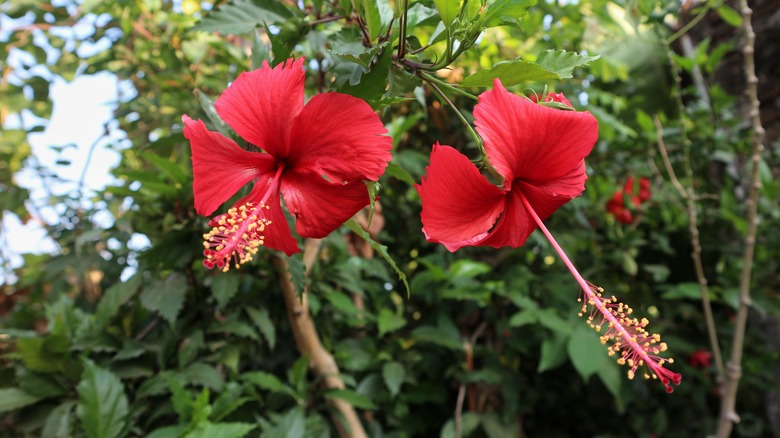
{"x": 307, "y": 338}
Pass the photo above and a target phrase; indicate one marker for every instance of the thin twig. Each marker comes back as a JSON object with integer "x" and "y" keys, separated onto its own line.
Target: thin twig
{"x": 468, "y": 347}
{"x": 689, "y": 195}
{"x": 307, "y": 339}
{"x": 459, "y": 410}
{"x": 728, "y": 415}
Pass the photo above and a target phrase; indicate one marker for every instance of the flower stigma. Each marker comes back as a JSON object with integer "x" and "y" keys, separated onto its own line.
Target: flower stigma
{"x": 235, "y": 236}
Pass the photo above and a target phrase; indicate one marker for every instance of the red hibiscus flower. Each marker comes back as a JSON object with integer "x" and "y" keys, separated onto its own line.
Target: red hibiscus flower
{"x": 616, "y": 206}
{"x": 538, "y": 151}
{"x": 315, "y": 156}
{"x": 620, "y": 209}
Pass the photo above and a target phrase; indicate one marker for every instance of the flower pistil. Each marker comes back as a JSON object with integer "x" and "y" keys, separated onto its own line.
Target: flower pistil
{"x": 235, "y": 236}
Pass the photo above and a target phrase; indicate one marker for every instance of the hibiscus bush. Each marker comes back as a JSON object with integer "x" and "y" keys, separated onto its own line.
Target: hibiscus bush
{"x": 477, "y": 218}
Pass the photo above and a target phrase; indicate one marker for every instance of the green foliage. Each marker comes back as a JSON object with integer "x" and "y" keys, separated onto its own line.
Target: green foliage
{"x": 105, "y": 339}
{"x": 102, "y": 406}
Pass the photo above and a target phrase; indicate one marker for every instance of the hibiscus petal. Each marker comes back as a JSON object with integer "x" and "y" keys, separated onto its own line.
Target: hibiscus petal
{"x": 260, "y": 105}
{"x": 514, "y": 227}
{"x": 339, "y": 136}
{"x": 219, "y": 166}
{"x": 320, "y": 206}
{"x": 459, "y": 206}
{"x": 277, "y": 235}
{"x": 547, "y": 196}
{"x": 530, "y": 141}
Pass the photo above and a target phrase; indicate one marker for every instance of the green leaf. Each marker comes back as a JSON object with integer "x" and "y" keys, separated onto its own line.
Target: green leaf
{"x": 448, "y": 10}
{"x": 260, "y": 51}
{"x": 393, "y": 373}
{"x": 102, "y": 407}
{"x": 496, "y": 428}
{"x": 341, "y": 302}
{"x": 114, "y": 298}
{"x": 550, "y": 319}
{"x": 297, "y": 272}
{"x": 38, "y": 357}
{"x": 241, "y": 16}
{"x": 611, "y": 376}
{"x": 683, "y": 291}
{"x": 40, "y": 385}
{"x": 203, "y": 374}
{"x": 180, "y": 398}
{"x": 553, "y": 353}
{"x": 290, "y": 425}
{"x": 268, "y": 381}
{"x": 389, "y": 321}
{"x": 167, "y": 432}
{"x": 262, "y": 321}
{"x": 522, "y": 318}
{"x": 15, "y": 398}
{"x": 586, "y": 352}
{"x": 357, "y": 400}
{"x": 170, "y": 168}
{"x": 437, "y": 335}
{"x": 373, "y": 84}
{"x": 729, "y": 15}
{"x": 510, "y": 73}
{"x": 465, "y": 268}
{"x": 506, "y": 12}
{"x": 629, "y": 264}
{"x": 222, "y": 430}
{"x": 58, "y": 424}
{"x": 372, "y": 18}
{"x": 207, "y": 105}
{"x": 166, "y": 297}
{"x": 296, "y": 375}
{"x": 562, "y": 63}
{"x": 224, "y": 286}
{"x": 395, "y": 170}
{"x": 380, "y": 249}
{"x": 469, "y": 423}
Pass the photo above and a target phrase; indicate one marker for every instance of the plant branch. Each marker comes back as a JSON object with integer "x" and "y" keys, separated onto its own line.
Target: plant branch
{"x": 402, "y": 31}
{"x": 689, "y": 25}
{"x": 728, "y": 415}
{"x": 446, "y": 99}
{"x": 689, "y": 195}
{"x": 307, "y": 339}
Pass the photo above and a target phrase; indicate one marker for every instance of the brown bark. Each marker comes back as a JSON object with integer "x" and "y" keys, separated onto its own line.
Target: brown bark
{"x": 307, "y": 339}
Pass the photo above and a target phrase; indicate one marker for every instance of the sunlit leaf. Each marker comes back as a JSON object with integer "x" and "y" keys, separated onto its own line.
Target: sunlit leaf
{"x": 510, "y": 73}
{"x": 563, "y": 63}
{"x": 241, "y": 16}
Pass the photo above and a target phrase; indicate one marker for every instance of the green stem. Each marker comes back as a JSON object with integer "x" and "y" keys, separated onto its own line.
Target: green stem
{"x": 444, "y": 97}
{"x": 430, "y": 78}
{"x": 688, "y": 26}
{"x": 402, "y": 31}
